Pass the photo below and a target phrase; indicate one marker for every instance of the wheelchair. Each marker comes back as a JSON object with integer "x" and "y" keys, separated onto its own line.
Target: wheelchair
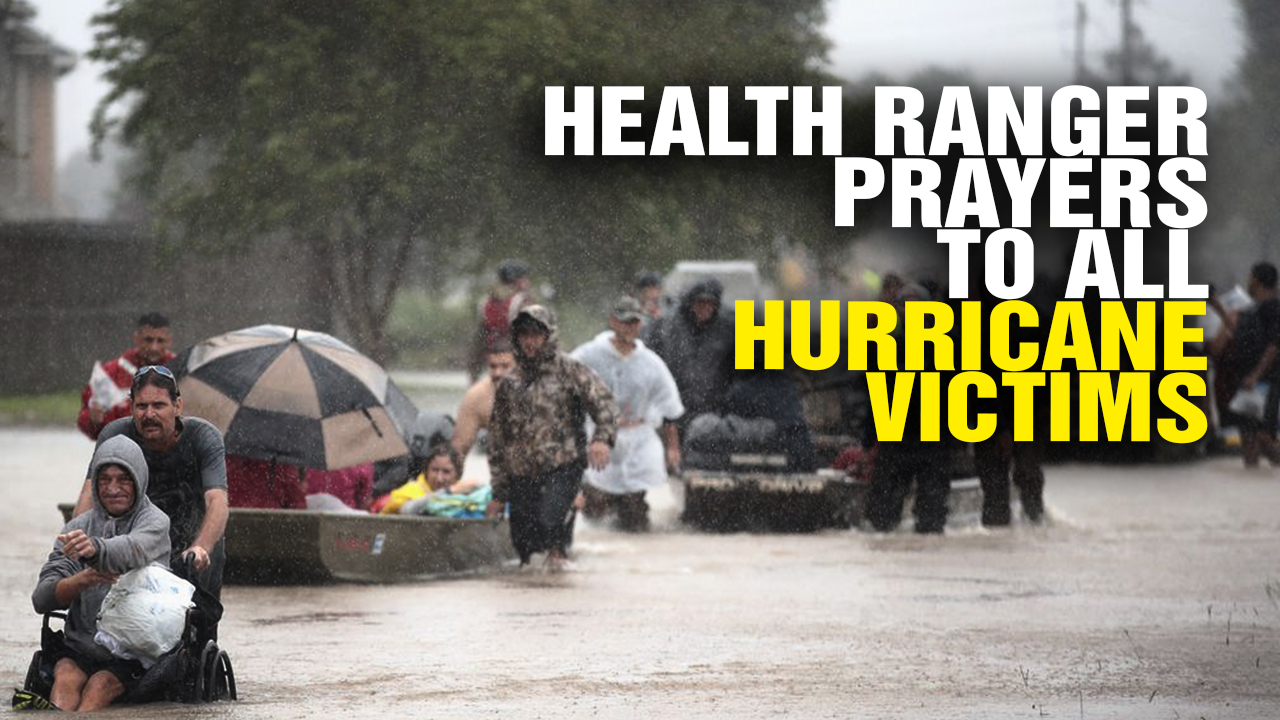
{"x": 196, "y": 670}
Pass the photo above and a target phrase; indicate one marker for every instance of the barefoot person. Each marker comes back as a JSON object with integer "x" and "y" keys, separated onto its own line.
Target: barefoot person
{"x": 122, "y": 531}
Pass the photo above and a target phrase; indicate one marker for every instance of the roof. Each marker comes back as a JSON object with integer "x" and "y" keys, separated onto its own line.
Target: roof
{"x": 29, "y": 42}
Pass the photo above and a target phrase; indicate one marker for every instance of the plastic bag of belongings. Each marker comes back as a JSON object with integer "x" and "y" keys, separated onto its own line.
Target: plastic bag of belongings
{"x": 144, "y": 613}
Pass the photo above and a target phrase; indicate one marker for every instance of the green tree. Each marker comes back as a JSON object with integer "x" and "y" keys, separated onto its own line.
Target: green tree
{"x": 362, "y": 130}
{"x": 1146, "y": 65}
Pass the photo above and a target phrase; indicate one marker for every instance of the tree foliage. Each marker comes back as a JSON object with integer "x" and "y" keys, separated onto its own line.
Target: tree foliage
{"x": 363, "y": 130}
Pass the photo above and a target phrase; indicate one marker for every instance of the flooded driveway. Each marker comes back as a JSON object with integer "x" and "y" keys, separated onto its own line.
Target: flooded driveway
{"x": 1153, "y": 593}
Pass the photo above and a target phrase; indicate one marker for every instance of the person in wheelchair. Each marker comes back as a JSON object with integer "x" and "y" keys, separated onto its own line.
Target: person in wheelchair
{"x": 122, "y": 531}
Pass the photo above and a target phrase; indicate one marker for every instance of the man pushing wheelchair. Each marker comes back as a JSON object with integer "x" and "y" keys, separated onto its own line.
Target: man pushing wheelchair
{"x": 156, "y": 494}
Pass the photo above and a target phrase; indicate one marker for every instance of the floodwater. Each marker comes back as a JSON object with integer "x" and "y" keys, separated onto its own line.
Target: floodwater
{"x": 1154, "y": 592}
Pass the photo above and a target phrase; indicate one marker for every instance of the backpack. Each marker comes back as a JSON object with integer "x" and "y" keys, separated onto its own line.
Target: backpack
{"x": 496, "y": 315}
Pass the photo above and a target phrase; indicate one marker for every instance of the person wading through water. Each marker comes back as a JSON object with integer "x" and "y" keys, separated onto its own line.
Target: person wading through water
{"x": 538, "y": 443}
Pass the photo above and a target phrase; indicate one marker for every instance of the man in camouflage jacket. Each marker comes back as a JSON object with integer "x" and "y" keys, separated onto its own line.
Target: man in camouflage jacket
{"x": 538, "y": 446}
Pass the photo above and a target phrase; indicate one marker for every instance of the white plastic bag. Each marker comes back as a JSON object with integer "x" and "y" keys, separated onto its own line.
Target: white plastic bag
{"x": 1251, "y": 403}
{"x": 144, "y": 613}
{"x": 1236, "y": 299}
{"x": 104, "y": 394}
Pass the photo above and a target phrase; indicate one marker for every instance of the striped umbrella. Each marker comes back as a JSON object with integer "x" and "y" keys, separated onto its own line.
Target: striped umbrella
{"x": 294, "y": 396}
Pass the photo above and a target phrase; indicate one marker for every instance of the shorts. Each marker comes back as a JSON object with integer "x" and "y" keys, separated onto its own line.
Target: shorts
{"x": 128, "y": 672}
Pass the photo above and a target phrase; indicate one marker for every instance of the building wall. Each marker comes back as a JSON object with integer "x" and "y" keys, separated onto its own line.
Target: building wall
{"x": 70, "y": 294}
{"x": 41, "y": 160}
{"x": 30, "y": 65}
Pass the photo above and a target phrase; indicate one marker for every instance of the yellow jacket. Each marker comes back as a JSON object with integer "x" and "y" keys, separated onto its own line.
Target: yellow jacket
{"x": 411, "y": 490}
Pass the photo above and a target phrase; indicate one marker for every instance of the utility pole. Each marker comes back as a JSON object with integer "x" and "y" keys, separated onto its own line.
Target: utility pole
{"x": 1126, "y": 42}
{"x": 1081, "y": 19}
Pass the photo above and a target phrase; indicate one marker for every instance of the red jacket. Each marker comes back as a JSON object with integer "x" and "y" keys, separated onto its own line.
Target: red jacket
{"x": 496, "y": 314}
{"x": 352, "y": 485}
{"x": 253, "y": 483}
{"x": 120, "y": 370}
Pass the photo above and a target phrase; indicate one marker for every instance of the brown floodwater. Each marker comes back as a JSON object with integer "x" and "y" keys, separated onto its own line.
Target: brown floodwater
{"x": 1153, "y": 592}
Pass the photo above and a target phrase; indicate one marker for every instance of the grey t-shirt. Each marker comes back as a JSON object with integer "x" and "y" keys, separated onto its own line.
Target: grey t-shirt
{"x": 180, "y": 475}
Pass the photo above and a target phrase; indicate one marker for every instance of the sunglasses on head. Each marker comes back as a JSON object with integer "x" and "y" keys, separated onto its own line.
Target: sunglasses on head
{"x": 160, "y": 370}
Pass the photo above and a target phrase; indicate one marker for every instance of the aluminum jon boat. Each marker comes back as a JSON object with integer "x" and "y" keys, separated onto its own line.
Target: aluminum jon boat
{"x": 281, "y": 547}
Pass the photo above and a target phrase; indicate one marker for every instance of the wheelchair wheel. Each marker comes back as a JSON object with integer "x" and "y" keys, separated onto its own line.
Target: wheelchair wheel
{"x": 33, "y": 682}
{"x": 203, "y": 673}
{"x": 219, "y": 679}
{"x": 222, "y": 686}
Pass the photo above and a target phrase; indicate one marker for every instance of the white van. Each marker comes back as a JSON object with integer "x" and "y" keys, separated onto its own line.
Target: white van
{"x": 741, "y": 280}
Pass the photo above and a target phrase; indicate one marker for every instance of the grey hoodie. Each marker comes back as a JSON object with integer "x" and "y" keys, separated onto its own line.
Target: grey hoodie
{"x": 132, "y": 540}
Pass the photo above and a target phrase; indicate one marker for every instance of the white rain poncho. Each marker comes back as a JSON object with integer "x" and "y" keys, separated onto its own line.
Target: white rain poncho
{"x": 646, "y": 394}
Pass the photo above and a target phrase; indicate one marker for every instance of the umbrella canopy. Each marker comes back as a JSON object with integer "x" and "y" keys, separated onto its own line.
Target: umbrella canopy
{"x": 294, "y": 396}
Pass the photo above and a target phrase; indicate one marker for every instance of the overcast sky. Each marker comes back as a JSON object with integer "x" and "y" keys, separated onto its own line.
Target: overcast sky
{"x": 997, "y": 40}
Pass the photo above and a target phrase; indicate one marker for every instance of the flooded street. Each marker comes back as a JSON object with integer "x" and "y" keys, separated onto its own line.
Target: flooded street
{"x": 1154, "y": 592}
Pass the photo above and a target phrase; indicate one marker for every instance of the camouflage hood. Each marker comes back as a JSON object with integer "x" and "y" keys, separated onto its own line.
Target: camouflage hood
{"x": 543, "y": 316}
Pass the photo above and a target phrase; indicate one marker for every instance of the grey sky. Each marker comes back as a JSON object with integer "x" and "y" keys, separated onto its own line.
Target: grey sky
{"x": 999, "y": 40}
{"x": 1026, "y": 39}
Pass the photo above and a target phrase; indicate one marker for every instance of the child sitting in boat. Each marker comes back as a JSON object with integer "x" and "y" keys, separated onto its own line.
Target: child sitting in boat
{"x": 438, "y": 490}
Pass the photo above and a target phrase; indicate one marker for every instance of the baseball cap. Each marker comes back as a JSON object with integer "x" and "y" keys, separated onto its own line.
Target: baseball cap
{"x": 627, "y": 309}
{"x": 511, "y": 270}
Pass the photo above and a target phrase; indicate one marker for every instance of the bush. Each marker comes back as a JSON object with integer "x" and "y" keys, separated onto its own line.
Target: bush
{"x": 49, "y": 409}
{"x": 432, "y": 333}
{"x": 427, "y": 332}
